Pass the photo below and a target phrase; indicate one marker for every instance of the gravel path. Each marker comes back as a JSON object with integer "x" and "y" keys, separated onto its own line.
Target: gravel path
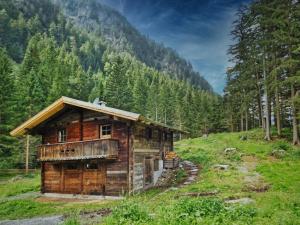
{"x": 32, "y": 194}
{"x": 49, "y": 220}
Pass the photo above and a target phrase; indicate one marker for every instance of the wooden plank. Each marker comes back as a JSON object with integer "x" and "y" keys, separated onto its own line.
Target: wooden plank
{"x": 138, "y": 150}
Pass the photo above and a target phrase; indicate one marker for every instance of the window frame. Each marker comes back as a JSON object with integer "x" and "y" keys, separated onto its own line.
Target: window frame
{"x": 61, "y": 138}
{"x": 105, "y": 136}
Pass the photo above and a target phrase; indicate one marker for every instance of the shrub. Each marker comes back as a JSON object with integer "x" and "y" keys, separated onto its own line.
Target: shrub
{"x": 129, "y": 213}
{"x": 180, "y": 175}
{"x": 282, "y": 145}
{"x": 199, "y": 156}
{"x": 199, "y": 207}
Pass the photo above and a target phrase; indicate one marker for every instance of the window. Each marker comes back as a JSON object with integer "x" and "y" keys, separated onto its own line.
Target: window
{"x": 62, "y": 135}
{"x": 148, "y": 133}
{"x": 105, "y": 131}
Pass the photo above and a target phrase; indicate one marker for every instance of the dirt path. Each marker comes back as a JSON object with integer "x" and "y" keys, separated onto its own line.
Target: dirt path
{"x": 252, "y": 179}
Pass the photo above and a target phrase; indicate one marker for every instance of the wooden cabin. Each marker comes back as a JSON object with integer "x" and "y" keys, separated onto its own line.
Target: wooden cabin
{"x": 90, "y": 148}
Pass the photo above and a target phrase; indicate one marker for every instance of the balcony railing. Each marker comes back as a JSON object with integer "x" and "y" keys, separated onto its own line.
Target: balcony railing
{"x": 93, "y": 149}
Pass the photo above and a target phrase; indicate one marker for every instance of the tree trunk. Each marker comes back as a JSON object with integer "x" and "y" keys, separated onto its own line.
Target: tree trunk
{"x": 246, "y": 119}
{"x": 277, "y": 109}
{"x": 296, "y": 140}
{"x": 242, "y": 122}
{"x": 260, "y": 108}
{"x": 267, "y": 122}
{"x": 27, "y": 154}
{"x": 231, "y": 123}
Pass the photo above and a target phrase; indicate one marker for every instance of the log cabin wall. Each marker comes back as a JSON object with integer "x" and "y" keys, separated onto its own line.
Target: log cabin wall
{"x": 85, "y": 126}
{"x": 149, "y": 147}
{"x": 117, "y": 171}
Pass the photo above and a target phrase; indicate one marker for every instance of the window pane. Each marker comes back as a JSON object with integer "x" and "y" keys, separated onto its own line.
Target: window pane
{"x": 62, "y": 135}
{"x": 106, "y": 129}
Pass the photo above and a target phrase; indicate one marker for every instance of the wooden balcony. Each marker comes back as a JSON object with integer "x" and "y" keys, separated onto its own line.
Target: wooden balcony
{"x": 93, "y": 149}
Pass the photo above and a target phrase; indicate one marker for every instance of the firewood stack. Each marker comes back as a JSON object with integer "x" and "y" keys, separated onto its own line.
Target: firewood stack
{"x": 171, "y": 160}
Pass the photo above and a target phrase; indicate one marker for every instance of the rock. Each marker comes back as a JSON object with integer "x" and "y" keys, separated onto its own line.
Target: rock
{"x": 200, "y": 194}
{"x": 173, "y": 188}
{"x": 243, "y": 169}
{"x": 243, "y": 138}
{"x": 221, "y": 167}
{"x": 278, "y": 153}
{"x": 16, "y": 178}
{"x": 229, "y": 150}
{"x": 242, "y": 201}
{"x": 188, "y": 163}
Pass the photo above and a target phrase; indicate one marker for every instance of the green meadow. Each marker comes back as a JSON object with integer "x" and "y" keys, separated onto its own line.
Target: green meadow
{"x": 269, "y": 182}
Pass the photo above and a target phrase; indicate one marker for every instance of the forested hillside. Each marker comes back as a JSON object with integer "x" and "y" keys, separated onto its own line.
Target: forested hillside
{"x": 119, "y": 35}
{"x": 264, "y": 83}
{"x": 44, "y": 56}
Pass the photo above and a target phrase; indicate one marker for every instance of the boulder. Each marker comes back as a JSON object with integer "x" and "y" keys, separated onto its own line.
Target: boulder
{"x": 278, "y": 153}
{"x": 243, "y": 138}
{"x": 221, "y": 167}
{"x": 229, "y": 150}
{"x": 242, "y": 201}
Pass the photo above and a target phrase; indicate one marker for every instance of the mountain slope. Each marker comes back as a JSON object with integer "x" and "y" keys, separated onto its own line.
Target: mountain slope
{"x": 121, "y": 36}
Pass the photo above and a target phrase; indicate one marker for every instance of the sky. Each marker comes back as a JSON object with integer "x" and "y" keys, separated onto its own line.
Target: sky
{"x": 199, "y": 30}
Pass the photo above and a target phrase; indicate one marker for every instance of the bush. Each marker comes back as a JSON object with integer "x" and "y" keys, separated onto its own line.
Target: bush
{"x": 282, "y": 145}
{"x": 199, "y": 208}
{"x": 199, "y": 156}
{"x": 180, "y": 175}
{"x": 129, "y": 213}
{"x": 205, "y": 211}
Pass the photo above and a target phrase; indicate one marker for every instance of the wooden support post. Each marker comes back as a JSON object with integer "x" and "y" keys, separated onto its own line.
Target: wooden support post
{"x": 27, "y": 154}
{"x": 81, "y": 125}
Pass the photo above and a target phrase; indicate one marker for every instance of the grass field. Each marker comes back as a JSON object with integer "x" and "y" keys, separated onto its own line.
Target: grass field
{"x": 271, "y": 183}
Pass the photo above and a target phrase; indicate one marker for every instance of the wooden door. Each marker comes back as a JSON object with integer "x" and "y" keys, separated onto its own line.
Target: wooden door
{"x": 148, "y": 171}
{"x": 72, "y": 176}
{"x": 51, "y": 177}
{"x": 94, "y": 175}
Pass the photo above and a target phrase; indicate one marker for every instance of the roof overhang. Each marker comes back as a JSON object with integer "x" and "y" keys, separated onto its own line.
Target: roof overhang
{"x": 59, "y": 105}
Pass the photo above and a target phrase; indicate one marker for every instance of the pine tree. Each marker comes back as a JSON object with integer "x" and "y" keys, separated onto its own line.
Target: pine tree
{"x": 6, "y": 103}
{"x": 116, "y": 88}
{"x": 140, "y": 95}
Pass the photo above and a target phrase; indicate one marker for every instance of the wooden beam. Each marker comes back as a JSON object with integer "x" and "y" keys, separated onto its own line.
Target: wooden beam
{"x": 27, "y": 154}
{"x": 81, "y": 124}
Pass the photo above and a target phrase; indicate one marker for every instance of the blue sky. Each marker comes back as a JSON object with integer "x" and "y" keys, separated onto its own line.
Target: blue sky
{"x": 198, "y": 30}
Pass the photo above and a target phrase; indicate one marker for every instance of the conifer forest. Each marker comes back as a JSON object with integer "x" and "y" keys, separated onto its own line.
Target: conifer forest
{"x": 50, "y": 49}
